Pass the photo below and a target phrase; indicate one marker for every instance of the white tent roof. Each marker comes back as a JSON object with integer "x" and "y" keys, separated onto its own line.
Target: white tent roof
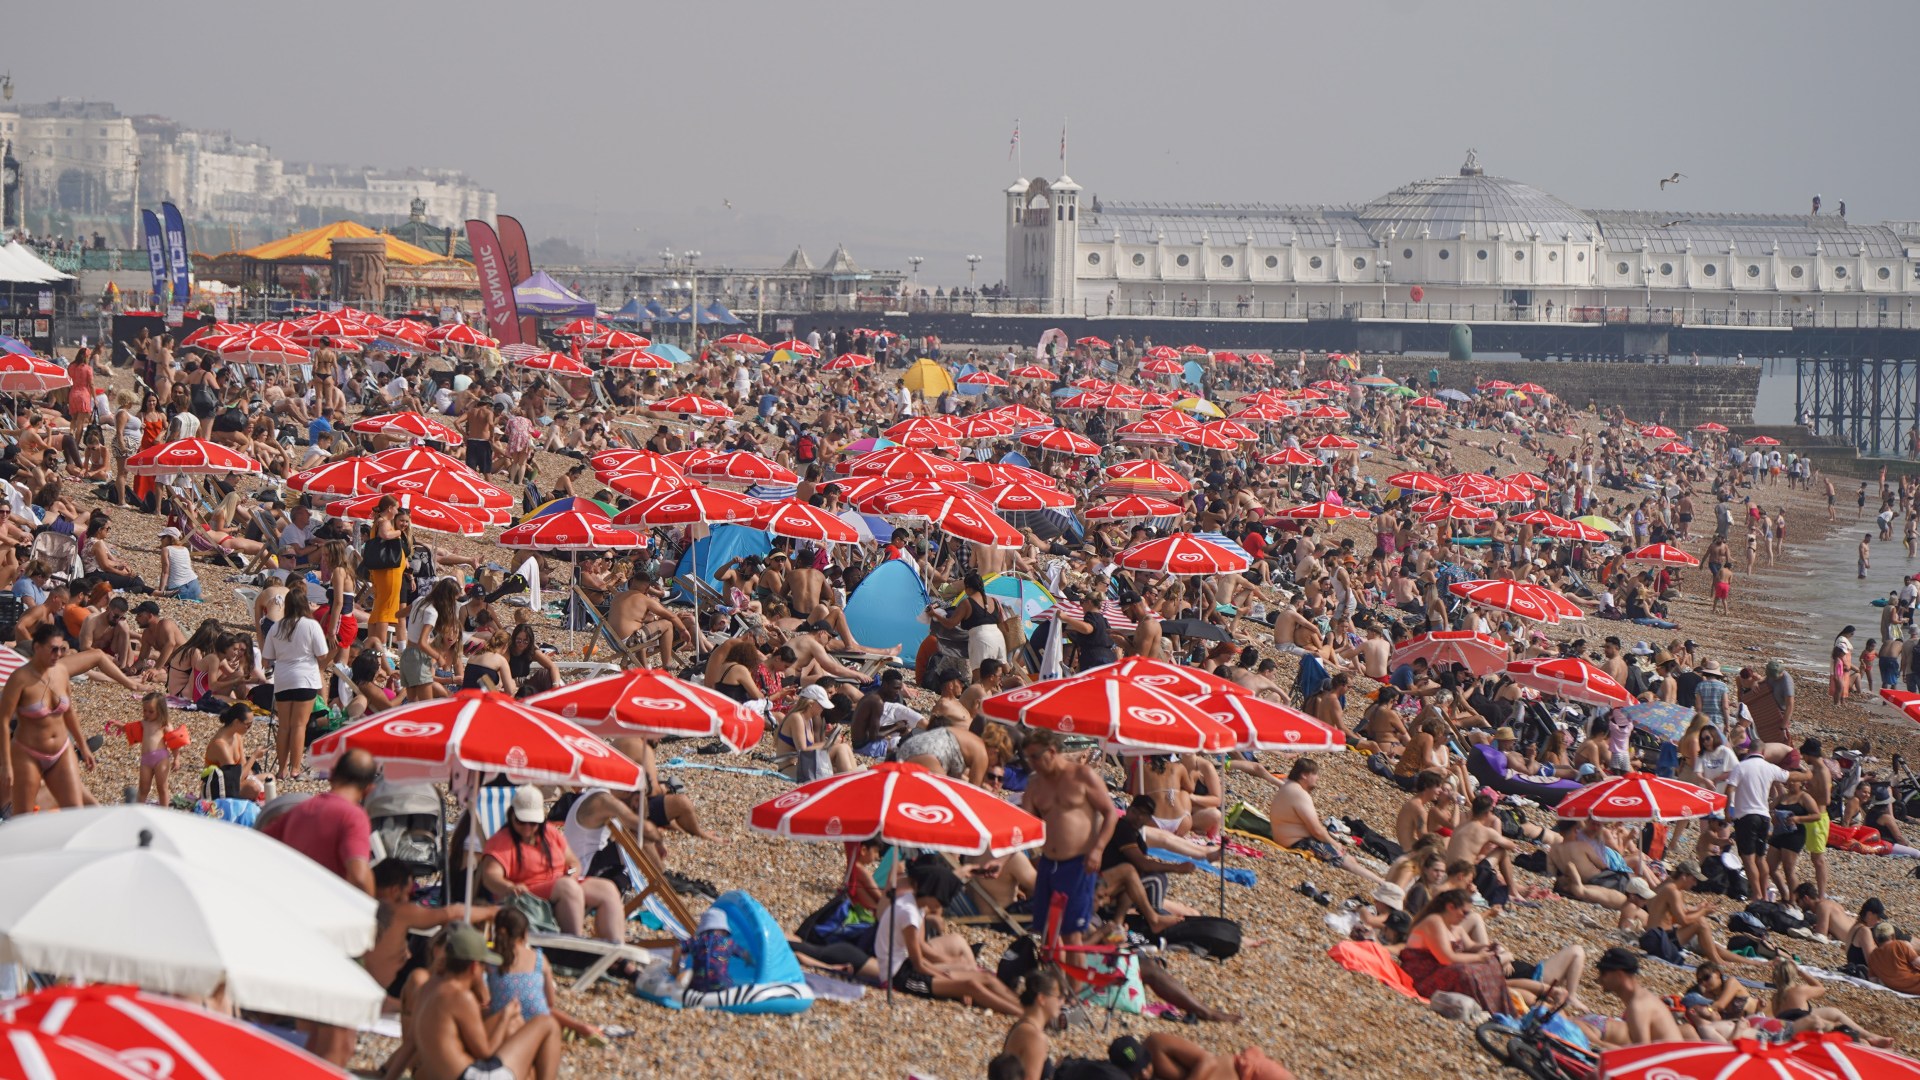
{"x": 22, "y": 267}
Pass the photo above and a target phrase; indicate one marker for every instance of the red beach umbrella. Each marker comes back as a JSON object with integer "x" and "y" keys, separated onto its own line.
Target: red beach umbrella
{"x": 483, "y": 732}
{"x": 582, "y": 328}
{"x": 744, "y": 466}
{"x": 344, "y": 477}
{"x": 903, "y": 804}
{"x": 848, "y": 361}
{"x": 1093, "y": 342}
{"x": 1183, "y": 555}
{"x": 1329, "y": 442}
{"x": 406, "y": 458}
{"x": 1133, "y": 508}
{"x": 1117, "y": 712}
{"x": 1294, "y": 459}
{"x": 32, "y": 1055}
{"x": 1675, "y": 448}
{"x": 988, "y": 474}
{"x": 924, "y": 433}
{"x": 459, "y": 334}
{"x": 961, "y": 516}
{"x": 623, "y": 460}
{"x": 1658, "y": 431}
{"x": 693, "y": 405}
{"x": 980, "y": 378}
{"x": 1518, "y": 598}
{"x": 1838, "y": 1054}
{"x": 647, "y": 701}
{"x": 645, "y": 485}
{"x": 1641, "y": 797}
{"x": 1662, "y": 553}
{"x": 408, "y": 425}
{"x": 1482, "y": 654}
{"x": 556, "y": 363}
{"x": 1026, "y": 497}
{"x": 1572, "y": 678}
{"x": 1020, "y": 416}
{"x": 1711, "y": 428}
{"x": 691, "y": 505}
{"x": 261, "y": 347}
{"x": 1032, "y": 371}
{"x": 453, "y": 487}
{"x": 157, "y": 1035}
{"x": 1457, "y": 511}
{"x": 570, "y": 530}
{"x": 1062, "y": 441}
{"x": 1148, "y": 472}
{"x": 1743, "y": 1059}
{"x": 1763, "y": 440}
{"x": 1268, "y": 725}
{"x": 1416, "y": 481}
{"x": 900, "y": 463}
{"x": 744, "y": 342}
{"x": 1323, "y": 511}
{"x": 982, "y": 427}
{"x": 616, "y": 339}
{"x": 796, "y": 347}
{"x": 796, "y": 520}
{"x": 1178, "y": 680}
{"x": 197, "y": 457}
{"x": 429, "y": 514}
{"x": 637, "y": 360}
{"x": 880, "y": 499}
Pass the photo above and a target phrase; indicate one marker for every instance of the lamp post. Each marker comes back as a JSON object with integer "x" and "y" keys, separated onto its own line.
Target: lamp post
{"x": 1386, "y": 278}
{"x": 693, "y": 301}
{"x": 913, "y": 278}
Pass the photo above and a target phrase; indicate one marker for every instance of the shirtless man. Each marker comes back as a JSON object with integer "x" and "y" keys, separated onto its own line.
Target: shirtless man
{"x": 1479, "y": 840}
{"x": 990, "y": 682}
{"x": 456, "y": 1041}
{"x": 1296, "y": 824}
{"x": 477, "y": 426}
{"x": 1246, "y": 673}
{"x": 392, "y": 960}
{"x": 1417, "y": 812}
{"x": 875, "y": 724}
{"x": 1668, "y": 913}
{"x": 1576, "y": 865}
{"x": 638, "y": 610}
{"x": 812, "y": 661}
{"x": 1647, "y": 1018}
{"x": 159, "y": 637}
{"x": 1072, "y": 799}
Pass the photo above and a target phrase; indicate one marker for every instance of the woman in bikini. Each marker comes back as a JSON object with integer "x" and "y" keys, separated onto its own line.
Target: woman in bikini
{"x": 184, "y": 664}
{"x": 1042, "y": 995}
{"x": 47, "y": 739}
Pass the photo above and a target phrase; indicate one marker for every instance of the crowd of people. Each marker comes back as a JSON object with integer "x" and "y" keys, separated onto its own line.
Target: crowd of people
{"x": 347, "y": 618}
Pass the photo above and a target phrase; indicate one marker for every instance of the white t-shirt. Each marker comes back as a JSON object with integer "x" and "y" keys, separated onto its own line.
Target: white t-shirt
{"x": 1714, "y": 765}
{"x": 890, "y": 929}
{"x": 293, "y": 536}
{"x": 422, "y": 617}
{"x": 296, "y": 657}
{"x": 1751, "y": 782}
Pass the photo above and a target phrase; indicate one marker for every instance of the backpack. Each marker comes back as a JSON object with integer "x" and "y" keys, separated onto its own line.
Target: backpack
{"x": 1774, "y": 916}
{"x": 803, "y": 448}
{"x": 1206, "y": 935}
{"x": 1742, "y": 922}
{"x": 1380, "y": 847}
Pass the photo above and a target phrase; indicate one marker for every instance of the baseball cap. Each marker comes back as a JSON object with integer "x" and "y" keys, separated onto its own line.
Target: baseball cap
{"x": 1687, "y": 868}
{"x": 1774, "y": 668}
{"x": 1620, "y": 959}
{"x": 170, "y": 531}
{"x": 817, "y": 695}
{"x": 466, "y": 943}
{"x": 1128, "y": 1054}
{"x": 528, "y": 806}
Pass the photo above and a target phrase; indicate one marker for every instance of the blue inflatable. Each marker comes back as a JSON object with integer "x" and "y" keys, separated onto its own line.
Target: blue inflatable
{"x": 766, "y": 978}
{"x": 885, "y": 610}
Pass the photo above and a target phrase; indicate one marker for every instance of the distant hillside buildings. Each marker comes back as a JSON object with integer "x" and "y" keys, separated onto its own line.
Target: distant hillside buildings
{"x": 79, "y": 167}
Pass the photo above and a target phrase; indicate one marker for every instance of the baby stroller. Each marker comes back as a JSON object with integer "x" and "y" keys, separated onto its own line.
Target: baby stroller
{"x": 408, "y": 824}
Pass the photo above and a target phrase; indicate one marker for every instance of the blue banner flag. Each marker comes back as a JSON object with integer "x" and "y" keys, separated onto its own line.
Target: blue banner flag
{"x": 156, "y": 254}
{"x": 176, "y": 231}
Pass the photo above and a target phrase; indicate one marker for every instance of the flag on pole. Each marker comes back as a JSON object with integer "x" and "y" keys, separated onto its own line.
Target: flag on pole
{"x": 1013, "y": 144}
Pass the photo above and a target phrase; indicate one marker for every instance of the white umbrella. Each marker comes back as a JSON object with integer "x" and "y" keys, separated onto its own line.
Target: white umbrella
{"x": 152, "y": 920}
{"x": 305, "y": 893}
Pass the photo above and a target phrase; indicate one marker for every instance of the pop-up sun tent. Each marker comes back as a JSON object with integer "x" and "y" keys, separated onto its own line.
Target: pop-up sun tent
{"x": 885, "y": 610}
{"x": 718, "y": 548}
{"x": 542, "y": 296}
{"x": 928, "y": 379}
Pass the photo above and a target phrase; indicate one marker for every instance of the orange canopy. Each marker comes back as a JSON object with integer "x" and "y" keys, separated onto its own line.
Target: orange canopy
{"x": 318, "y": 244}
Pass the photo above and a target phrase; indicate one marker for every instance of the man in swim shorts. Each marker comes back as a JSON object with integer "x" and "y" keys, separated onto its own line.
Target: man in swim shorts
{"x": 1072, "y": 799}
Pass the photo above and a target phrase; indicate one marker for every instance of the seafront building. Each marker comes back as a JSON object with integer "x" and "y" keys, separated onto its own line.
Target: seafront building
{"x": 1469, "y": 246}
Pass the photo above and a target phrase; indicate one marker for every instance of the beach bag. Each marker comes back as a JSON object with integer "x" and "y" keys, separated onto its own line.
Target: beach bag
{"x": 1661, "y": 945}
{"x": 1207, "y": 935}
{"x": 1374, "y": 844}
{"x": 836, "y": 921}
{"x": 1244, "y": 818}
{"x": 1744, "y": 922}
{"x": 539, "y": 913}
{"x": 382, "y": 554}
{"x": 1458, "y": 1007}
{"x": 1776, "y": 917}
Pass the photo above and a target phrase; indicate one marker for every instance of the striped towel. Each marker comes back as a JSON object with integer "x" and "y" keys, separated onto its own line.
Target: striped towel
{"x": 1116, "y": 618}
{"x": 10, "y": 662}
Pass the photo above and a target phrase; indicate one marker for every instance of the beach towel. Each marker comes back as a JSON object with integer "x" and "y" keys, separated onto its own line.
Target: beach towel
{"x": 1233, "y": 874}
{"x": 1371, "y": 958}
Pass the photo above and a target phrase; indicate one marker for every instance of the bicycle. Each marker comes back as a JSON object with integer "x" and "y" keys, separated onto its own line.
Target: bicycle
{"x": 1533, "y": 1050}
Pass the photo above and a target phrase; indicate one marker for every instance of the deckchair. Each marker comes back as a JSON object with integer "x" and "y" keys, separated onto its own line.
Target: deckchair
{"x": 631, "y": 656}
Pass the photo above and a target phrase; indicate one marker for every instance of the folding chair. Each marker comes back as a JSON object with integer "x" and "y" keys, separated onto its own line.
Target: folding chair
{"x": 631, "y": 656}
{"x": 60, "y": 551}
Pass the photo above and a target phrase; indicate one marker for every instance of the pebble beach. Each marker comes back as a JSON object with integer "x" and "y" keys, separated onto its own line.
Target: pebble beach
{"x": 1303, "y": 1009}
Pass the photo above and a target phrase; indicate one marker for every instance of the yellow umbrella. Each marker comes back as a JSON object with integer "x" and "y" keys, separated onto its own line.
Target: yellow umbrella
{"x": 1199, "y": 406}
{"x": 1595, "y": 521}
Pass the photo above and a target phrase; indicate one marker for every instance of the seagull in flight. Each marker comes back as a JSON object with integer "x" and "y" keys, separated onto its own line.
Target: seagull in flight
{"x": 1674, "y": 179}
{"x": 1675, "y": 221}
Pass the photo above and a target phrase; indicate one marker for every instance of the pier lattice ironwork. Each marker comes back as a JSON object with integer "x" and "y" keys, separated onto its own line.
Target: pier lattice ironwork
{"x": 1871, "y": 403}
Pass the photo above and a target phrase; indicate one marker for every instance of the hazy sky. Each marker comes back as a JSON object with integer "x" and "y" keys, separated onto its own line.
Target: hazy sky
{"x": 886, "y": 125}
